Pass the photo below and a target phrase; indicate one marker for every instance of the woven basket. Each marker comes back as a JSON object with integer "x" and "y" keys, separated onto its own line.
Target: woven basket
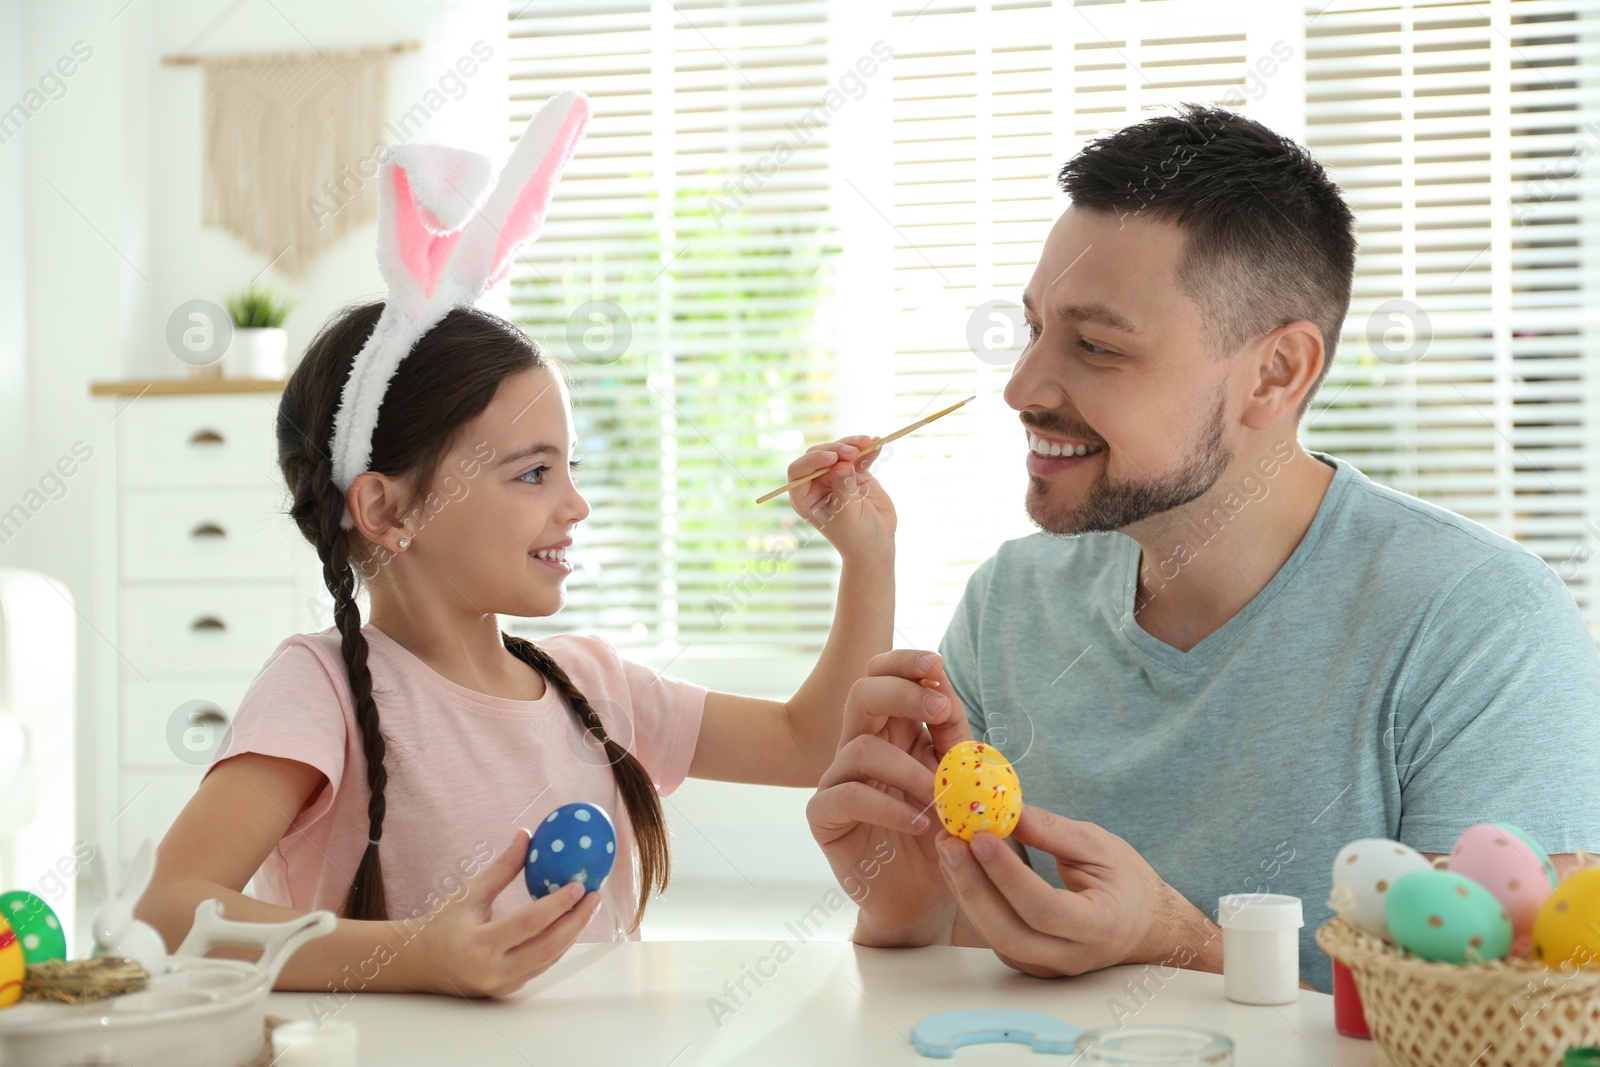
{"x": 1517, "y": 1013}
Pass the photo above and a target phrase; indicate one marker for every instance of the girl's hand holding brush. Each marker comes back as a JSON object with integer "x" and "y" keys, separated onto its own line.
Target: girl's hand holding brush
{"x": 847, "y": 489}
{"x": 845, "y": 502}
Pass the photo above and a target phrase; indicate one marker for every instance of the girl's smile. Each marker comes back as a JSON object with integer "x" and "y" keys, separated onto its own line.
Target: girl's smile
{"x": 554, "y": 557}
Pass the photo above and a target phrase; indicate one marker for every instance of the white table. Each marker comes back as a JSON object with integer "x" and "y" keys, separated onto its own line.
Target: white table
{"x": 831, "y": 1003}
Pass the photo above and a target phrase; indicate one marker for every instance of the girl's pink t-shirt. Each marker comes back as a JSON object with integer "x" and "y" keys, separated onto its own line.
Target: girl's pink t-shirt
{"x": 465, "y": 769}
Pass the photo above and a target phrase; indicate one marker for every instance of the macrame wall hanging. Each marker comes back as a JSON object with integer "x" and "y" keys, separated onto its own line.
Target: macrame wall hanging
{"x": 288, "y": 145}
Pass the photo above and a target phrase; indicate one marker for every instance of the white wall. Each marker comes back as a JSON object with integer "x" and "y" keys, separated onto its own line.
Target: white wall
{"x": 13, "y": 367}
{"x": 190, "y": 261}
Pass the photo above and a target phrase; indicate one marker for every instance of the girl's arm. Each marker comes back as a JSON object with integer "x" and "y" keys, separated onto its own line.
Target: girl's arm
{"x": 239, "y": 814}
{"x": 744, "y": 739}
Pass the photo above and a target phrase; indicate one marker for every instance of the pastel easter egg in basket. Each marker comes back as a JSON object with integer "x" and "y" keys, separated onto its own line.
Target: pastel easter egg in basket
{"x": 1538, "y": 850}
{"x": 1447, "y": 917}
{"x": 1363, "y": 872}
{"x": 976, "y": 788}
{"x": 36, "y": 926}
{"x": 576, "y": 843}
{"x": 1502, "y": 860}
{"x": 12, "y": 966}
{"x": 1567, "y": 929}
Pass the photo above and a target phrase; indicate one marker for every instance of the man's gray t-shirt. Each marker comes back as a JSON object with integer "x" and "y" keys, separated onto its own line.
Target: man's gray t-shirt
{"x": 1407, "y": 673}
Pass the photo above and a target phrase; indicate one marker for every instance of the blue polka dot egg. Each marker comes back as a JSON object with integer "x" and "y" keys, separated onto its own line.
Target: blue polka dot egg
{"x": 575, "y": 843}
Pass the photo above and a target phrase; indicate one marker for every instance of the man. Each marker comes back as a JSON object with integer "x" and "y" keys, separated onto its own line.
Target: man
{"x": 1224, "y": 656}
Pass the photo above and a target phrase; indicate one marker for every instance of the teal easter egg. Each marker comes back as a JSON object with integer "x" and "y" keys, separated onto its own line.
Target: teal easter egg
{"x": 36, "y": 926}
{"x": 1447, "y": 917}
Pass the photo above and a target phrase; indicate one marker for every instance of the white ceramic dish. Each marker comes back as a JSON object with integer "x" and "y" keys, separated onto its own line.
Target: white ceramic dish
{"x": 200, "y": 1013}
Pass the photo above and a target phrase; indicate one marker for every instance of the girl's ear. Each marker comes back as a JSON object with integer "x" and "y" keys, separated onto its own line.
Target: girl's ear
{"x": 432, "y": 193}
{"x": 373, "y": 503}
{"x": 514, "y": 212}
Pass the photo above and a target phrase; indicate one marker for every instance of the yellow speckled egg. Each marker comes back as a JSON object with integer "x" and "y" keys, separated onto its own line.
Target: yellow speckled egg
{"x": 1567, "y": 928}
{"x": 12, "y": 966}
{"x": 976, "y": 788}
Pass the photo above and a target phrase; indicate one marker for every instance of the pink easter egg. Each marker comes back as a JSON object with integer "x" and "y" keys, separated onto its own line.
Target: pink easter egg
{"x": 1501, "y": 862}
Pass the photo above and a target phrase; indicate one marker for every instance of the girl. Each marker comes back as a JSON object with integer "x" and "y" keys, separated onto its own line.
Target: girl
{"x": 382, "y": 770}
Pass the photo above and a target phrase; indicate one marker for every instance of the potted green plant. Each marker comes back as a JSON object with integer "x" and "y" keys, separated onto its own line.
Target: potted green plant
{"x": 259, "y": 339}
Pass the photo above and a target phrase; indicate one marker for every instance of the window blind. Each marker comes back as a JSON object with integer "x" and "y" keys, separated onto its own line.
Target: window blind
{"x": 1463, "y": 135}
{"x": 1465, "y": 138}
{"x": 684, "y": 277}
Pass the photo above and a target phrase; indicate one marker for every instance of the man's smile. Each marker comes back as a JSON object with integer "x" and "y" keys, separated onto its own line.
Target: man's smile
{"x": 1053, "y": 446}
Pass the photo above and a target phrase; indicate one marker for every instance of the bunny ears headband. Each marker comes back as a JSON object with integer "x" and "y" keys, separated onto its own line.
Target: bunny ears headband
{"x": 447, "y": 231}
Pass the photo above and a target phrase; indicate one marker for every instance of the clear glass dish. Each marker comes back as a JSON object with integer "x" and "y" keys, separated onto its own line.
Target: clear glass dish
{"x": 1154, "y": 1046}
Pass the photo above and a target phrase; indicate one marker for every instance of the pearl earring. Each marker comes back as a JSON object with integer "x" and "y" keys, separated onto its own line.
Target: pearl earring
{"x": 404, "y": 544}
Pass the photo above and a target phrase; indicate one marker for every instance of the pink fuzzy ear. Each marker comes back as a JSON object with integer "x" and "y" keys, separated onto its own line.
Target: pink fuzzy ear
{"x": 530, "y": 176}
{"x": 432, "y": 192}
{"x": 424, "y": 251}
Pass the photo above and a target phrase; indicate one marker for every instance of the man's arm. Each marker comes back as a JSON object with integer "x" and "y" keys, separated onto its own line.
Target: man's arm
{"x": 1500, "y": 713}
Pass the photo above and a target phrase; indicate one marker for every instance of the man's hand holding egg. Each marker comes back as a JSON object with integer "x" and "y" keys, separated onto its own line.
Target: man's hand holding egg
{"x": 877, "y": 797}
{"x": 1114, "y": 907}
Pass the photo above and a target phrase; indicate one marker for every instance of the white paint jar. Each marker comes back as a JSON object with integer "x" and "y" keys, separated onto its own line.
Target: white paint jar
{"x": 1260, "y": 947}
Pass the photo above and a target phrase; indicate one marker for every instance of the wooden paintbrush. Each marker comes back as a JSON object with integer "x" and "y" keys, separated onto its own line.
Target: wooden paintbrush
{"x": 870, "y": 448}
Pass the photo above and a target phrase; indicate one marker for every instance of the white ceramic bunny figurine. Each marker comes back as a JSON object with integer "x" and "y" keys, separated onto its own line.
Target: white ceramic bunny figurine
{"x": 116, "y": 931}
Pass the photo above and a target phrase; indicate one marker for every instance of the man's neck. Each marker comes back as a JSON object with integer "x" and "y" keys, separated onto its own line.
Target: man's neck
{"x": 1200, "y": 564}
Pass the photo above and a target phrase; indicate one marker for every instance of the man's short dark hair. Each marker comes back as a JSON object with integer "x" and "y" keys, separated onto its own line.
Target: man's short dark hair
{"x": 1270, "y": 239}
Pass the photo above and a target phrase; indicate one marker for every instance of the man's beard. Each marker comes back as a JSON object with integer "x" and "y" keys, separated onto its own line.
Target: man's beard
{"x": 1111, "y": 506}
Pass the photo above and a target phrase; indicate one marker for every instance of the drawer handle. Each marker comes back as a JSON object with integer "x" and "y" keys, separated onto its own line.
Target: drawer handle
{"x": 208, "y": 529}
{"x": 205, "y": 437}
{"x": 208, "y": 715}
{"x": 207, "y": 622}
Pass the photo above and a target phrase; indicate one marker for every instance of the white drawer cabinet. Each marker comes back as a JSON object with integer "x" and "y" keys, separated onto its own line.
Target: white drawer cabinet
{"x": 172, "y": 724}
{"x": 221, "y": 534}
{"x": 176, "y": 629}
{"x": 219, "y": 441}
{"x": 202, "y": 575}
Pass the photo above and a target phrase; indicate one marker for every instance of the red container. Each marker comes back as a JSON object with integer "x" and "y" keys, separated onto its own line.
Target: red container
{"x": 1348, "y": 1018}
